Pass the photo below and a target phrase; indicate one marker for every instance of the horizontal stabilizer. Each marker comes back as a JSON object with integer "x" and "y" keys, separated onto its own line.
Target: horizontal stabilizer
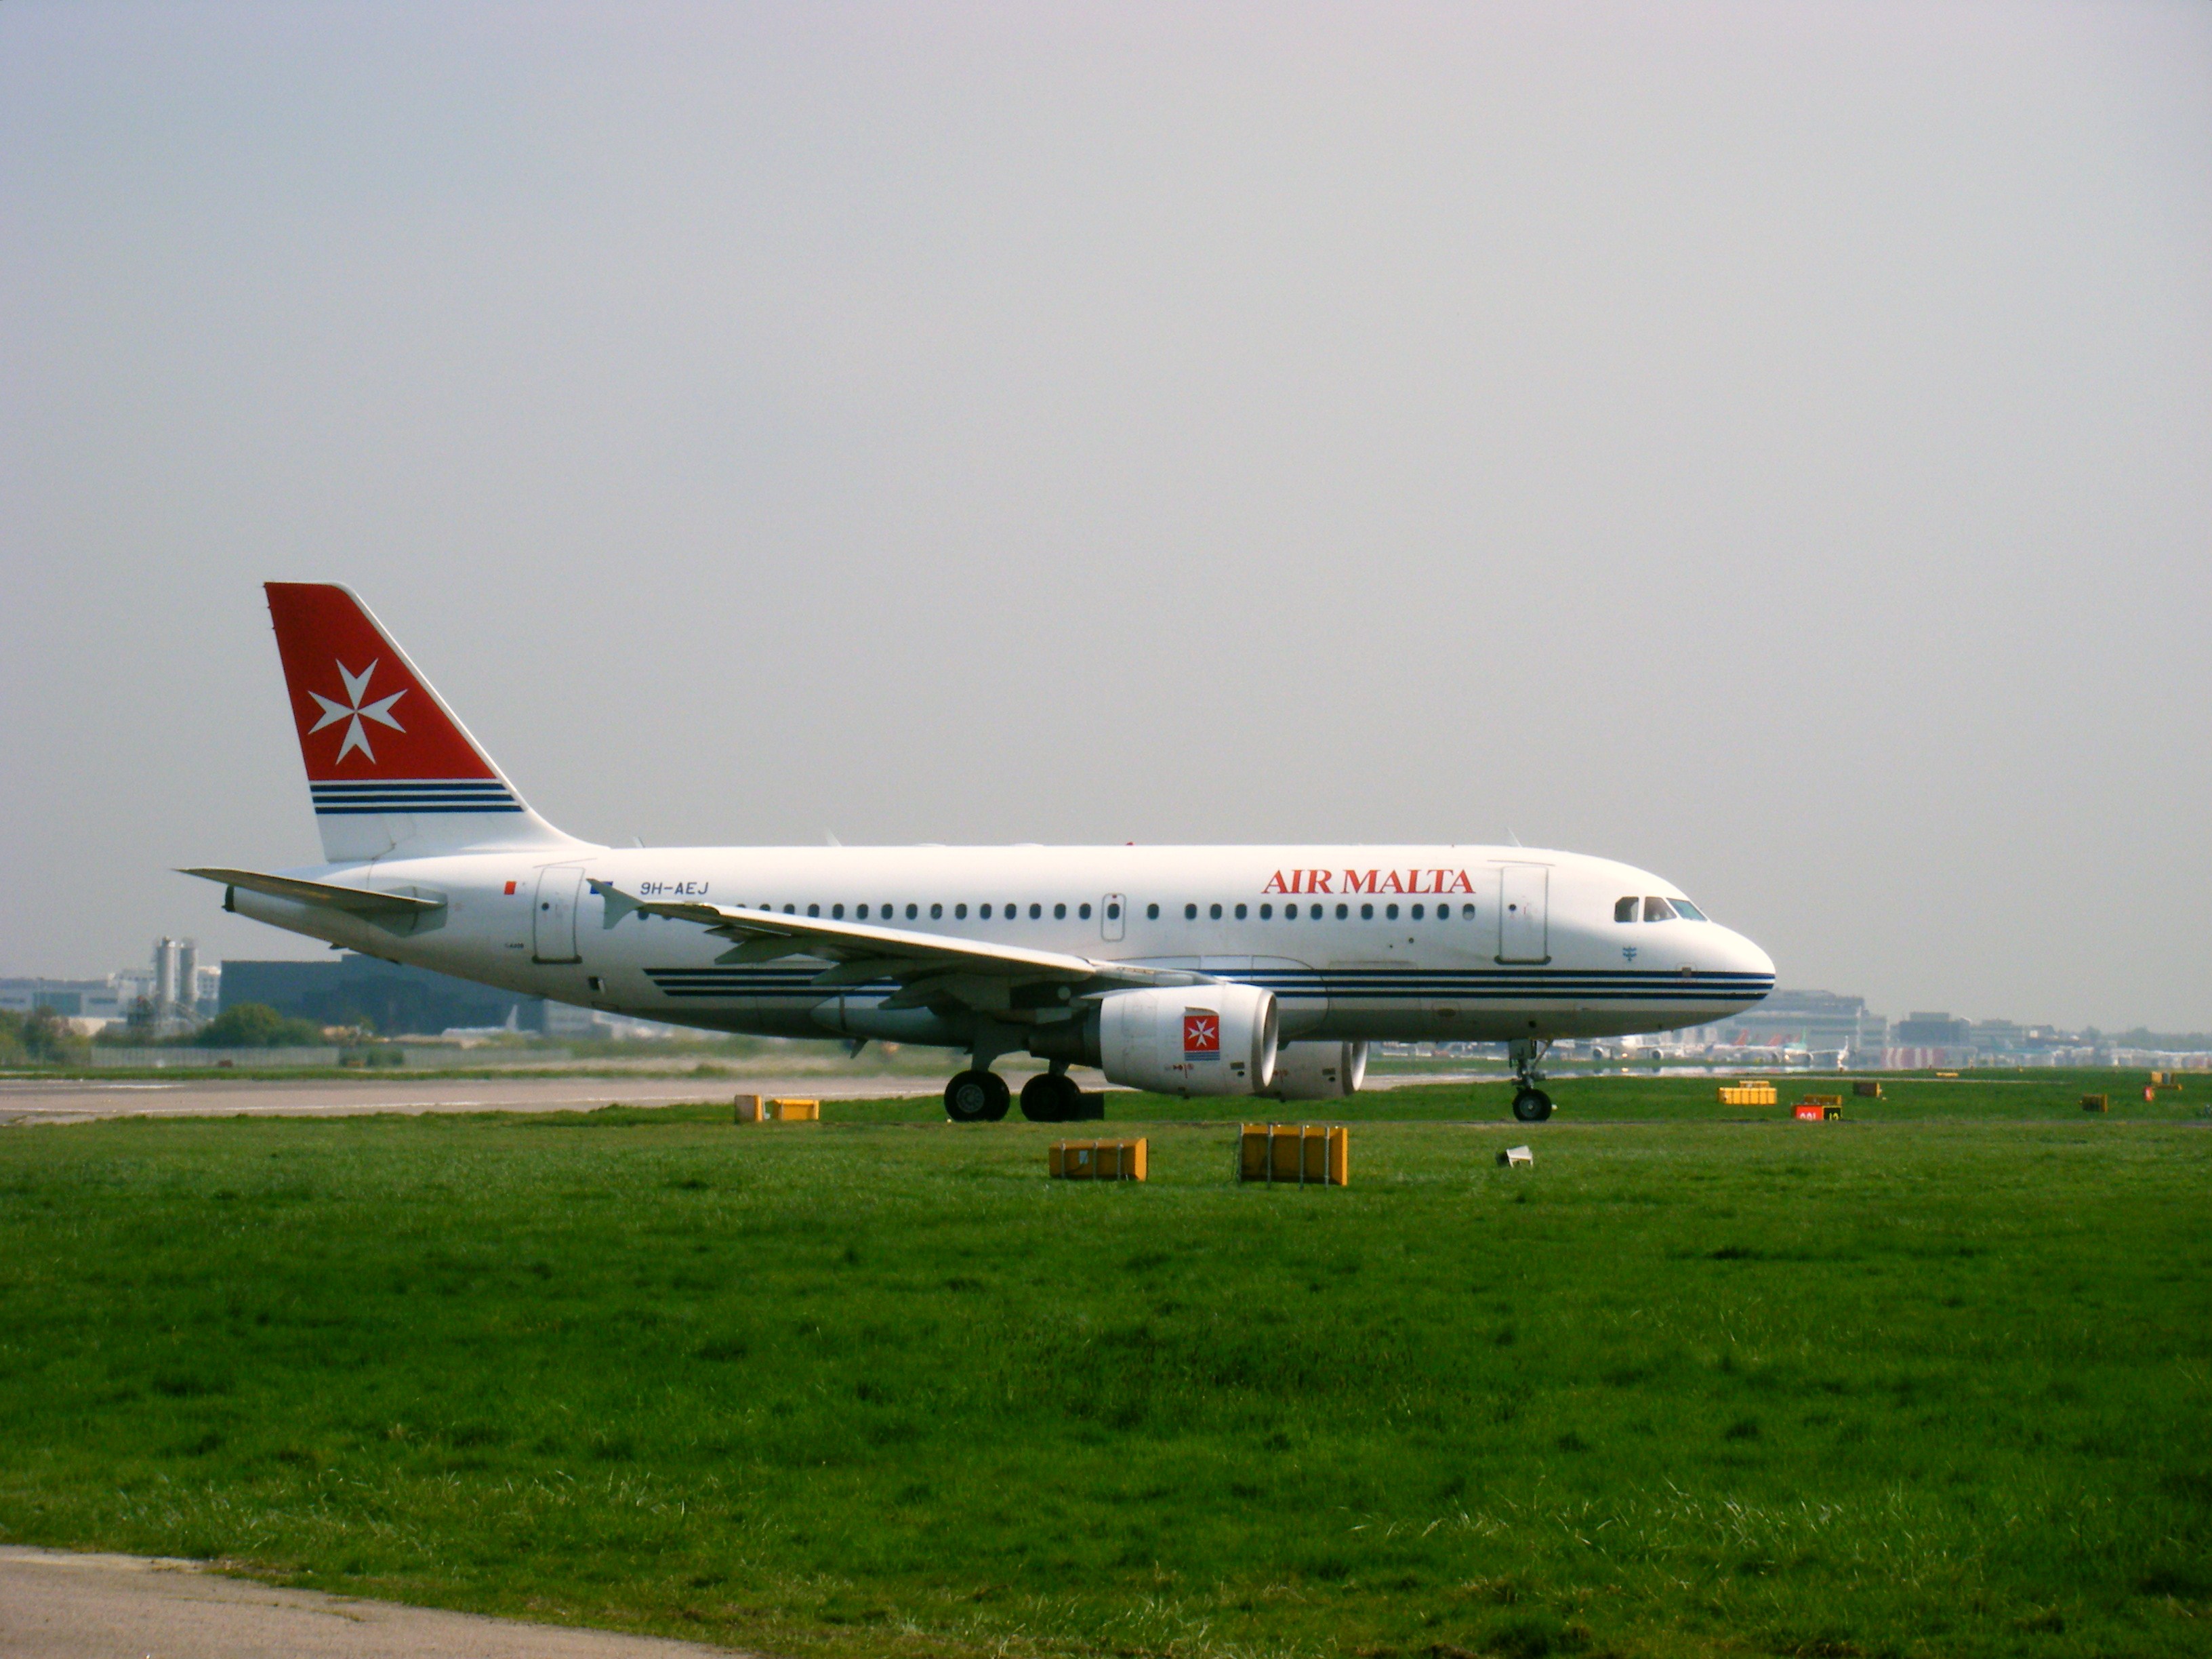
{"x": 358, "y": 900}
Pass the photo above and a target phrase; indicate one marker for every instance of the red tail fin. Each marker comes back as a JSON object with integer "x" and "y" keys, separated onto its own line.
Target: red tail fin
{"x": 387, "y": 763}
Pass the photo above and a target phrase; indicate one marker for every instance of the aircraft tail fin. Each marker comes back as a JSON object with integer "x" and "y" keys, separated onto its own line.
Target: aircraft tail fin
{"x": 390, "y": 769}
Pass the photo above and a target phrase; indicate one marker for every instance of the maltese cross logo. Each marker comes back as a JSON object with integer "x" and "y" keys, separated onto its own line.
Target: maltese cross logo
{"x": 353, "y": 709}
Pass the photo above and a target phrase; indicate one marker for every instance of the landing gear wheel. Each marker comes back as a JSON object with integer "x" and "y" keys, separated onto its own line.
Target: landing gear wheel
{"x": 976, "y": 1098}
{"x": 1532, "y": 1105}
{"x": 1050, "y": 1097}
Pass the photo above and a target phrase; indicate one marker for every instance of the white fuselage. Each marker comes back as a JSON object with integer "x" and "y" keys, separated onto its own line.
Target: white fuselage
{"x": 1386, "y": 942}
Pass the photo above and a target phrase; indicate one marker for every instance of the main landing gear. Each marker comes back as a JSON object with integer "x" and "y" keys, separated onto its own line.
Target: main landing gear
{"x": 1530, "y": 1104}
{"x": 1052, "y": 1097}
{"x": 978, "y": 1096}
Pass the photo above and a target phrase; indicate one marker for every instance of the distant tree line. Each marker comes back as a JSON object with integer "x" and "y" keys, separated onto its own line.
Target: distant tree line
{"x": 39, "y": 1037}
{"x": 43, "y": 1037}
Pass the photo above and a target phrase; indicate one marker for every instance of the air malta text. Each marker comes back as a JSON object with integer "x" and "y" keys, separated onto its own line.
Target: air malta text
{"x": 1371, "y": 881}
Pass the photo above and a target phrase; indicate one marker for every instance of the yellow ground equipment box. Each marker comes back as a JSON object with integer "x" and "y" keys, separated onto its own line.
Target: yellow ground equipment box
{"x": 2095, "y": 1103}
{"x": 1297, "y": 1154}
{"x": 753, "y": 1108}
{"x": 1096, "y": 1160}
{"x": 1867, "y": 1091}
{"x": 2166, "y": 1080}
{"x": 1749, "y": 1094}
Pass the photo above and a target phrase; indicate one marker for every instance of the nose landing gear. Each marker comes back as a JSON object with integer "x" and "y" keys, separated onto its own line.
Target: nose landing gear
{"x": 1530, "y": 1104}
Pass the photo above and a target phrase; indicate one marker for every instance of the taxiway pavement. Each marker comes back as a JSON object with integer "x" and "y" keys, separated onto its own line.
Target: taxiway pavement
{"x": 57, "y": 1605}
{"x": 38, "y": 1100}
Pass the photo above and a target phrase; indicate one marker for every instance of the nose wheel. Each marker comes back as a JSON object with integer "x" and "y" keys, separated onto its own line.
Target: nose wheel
{"x": 1530, "y": 1104}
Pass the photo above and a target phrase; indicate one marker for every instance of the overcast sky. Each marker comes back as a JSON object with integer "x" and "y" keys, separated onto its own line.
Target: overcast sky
{"x": 1771, "y": 445}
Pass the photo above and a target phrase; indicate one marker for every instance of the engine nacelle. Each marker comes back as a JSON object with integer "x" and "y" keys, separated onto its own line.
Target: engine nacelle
{"x": 1190, "y": 1039}
{"x": 1318, "y": 1071}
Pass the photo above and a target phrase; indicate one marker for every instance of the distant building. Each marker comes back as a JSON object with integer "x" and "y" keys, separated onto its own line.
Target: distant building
{"x": 1932, "y": 1031}
{"x": 1802, "y": 1019}
{"x": 1923, "y": 1040}
{"x": 391, "y": 998}
{"x": 71, "y": 999}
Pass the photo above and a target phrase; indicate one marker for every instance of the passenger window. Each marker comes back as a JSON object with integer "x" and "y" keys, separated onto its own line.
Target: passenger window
{"x": 1213, "y": 912}
{"x": 1151, "y": 913}
{"x": 837, "y": 911}
{"x": 1367, "y": 913}
{"x": 813, "y": 909}
{"x": 786, "y": 909}
{"x": 1190, "y": 913}
{"x": 1240, "y": 913}
{"x": 1013, "y": 910}
{"x": 1342, "y": 911}
{"x": 1466, "y": 913}
{"x": 1624, "y": 910}
{"x": 911, "y": 911}
{"x": 1657, "y": 909}
{"x": 1060, "y": 912}
{"x": 936, "y": 912}
{"x": 860, "y": 914}
{"x": 1266, "y": 913}
{"x": 960, "y": 912}
{"x": 1037, "y": 911}
{"x": 986, "y": 913}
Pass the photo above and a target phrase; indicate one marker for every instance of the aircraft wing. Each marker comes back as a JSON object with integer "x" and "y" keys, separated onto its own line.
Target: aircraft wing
{"x": 928, "y": 967}
{"x": 360, "y": 900}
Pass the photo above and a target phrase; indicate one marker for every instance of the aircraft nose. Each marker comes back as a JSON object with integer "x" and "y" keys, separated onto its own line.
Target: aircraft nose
{"x": 1746, "y": 958}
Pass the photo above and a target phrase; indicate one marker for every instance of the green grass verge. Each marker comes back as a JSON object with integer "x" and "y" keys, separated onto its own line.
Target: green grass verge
{"x": 1933, "y": 1380}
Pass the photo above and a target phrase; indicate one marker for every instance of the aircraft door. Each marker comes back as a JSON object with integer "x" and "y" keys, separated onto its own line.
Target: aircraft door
{"x": 1523, "y": 925}
{"x": 1113, "y": 916}
{"x": 553, "y": 923}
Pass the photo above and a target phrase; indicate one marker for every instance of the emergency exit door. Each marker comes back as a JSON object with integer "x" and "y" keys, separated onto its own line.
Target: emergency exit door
{"x": 1523, "y": 893}
{"x": 553, "y": 922}
{"x": 1112, "y": 922}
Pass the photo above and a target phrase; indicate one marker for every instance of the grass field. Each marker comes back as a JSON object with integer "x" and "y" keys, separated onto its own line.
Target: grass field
{"x": 1934, "y": 1380}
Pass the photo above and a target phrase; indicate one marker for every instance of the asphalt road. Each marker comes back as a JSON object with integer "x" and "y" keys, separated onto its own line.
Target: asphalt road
{"x": 54, "y": 1605}
{"x": 38, "y": 1100}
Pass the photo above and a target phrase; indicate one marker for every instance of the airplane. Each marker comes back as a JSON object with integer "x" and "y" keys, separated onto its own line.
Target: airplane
{"x": 1261, "y": 971}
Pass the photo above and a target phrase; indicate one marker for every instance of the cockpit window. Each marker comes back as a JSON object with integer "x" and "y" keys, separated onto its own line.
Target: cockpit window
{"x": 1624, "y": 910}
{"x": 1657, "y": 909}
{"x": 1689, "y": 912}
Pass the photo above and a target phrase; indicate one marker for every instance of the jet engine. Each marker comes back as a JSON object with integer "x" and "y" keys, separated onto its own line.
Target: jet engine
{"x": 1318, "y": 1071}
{"x": 1177, "y": 1040}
